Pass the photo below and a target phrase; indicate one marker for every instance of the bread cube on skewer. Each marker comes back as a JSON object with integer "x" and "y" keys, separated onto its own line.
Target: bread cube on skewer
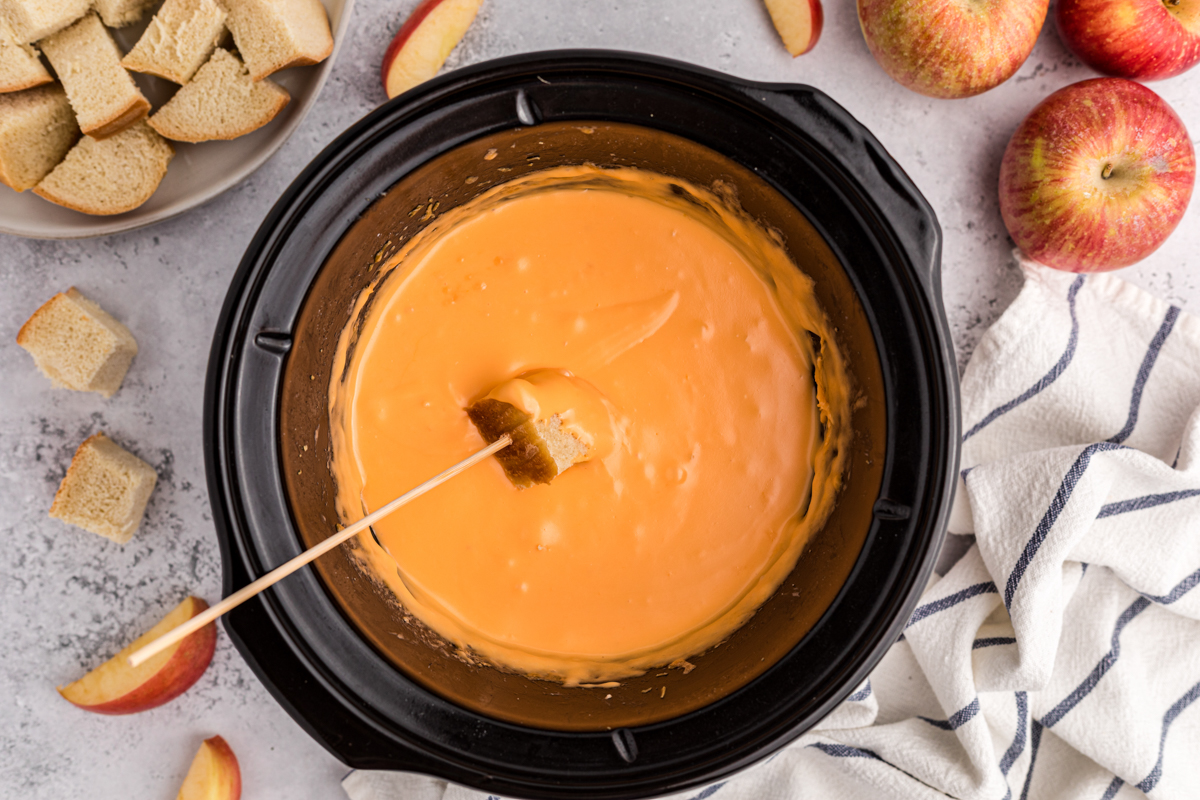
{"x": 540, "y": 450}
{"x": 555, "y": 419}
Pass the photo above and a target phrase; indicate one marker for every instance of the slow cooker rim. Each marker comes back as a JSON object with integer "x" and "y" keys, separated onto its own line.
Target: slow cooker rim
{"x": 247, "y": 276}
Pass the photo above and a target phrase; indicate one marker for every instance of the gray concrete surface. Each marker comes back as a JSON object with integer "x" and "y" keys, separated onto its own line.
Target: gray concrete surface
{"x": 69, "y": 600}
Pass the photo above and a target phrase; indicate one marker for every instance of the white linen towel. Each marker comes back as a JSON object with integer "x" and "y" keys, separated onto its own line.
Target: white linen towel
{"x": 1060, "y": 657}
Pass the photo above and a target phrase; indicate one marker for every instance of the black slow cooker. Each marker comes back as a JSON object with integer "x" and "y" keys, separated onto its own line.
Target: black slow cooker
{"x": 368, "y": 684}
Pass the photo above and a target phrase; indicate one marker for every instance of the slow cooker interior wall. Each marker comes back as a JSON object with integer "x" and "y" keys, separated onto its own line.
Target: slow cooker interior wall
{"x": 378, "y": 233}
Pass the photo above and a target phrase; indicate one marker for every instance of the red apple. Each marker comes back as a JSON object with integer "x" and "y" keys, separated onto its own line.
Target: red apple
{"x": 798, "y": 23}
{"x": 1097, "y": 176}
{"x": 1142, "y": 39}
{"x": 951, "y": 48}
{"x": 114, "y": 687}
{"x": 424, "y": 42}
{"x": 214, "y": 774}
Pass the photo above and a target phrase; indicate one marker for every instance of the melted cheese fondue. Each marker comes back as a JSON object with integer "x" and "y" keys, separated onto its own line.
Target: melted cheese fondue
{"x": 721, "y": 454}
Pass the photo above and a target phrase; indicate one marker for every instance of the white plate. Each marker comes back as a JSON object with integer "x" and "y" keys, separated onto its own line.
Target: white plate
{"x": 199, "y": 172}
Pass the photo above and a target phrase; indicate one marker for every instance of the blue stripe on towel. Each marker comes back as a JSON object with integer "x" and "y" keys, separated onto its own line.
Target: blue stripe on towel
{"x": 1018, "y": 743}
{"x": 1144, "y": 502}
{"x": 1047, "y": 379}
{"x": 950, "y": 601}
{"x": 1035, "y": 739}
{"x": 943, "y": 724}
{"x": 1182, "y": 588}
{"x": 1084, "y": 689}
{"x": 1112, "y": 789}
{"x": 957, "y": 719}
{"x": 1051, "y": 516}
{"x": 845, "y": 751}
{"x": 1143, "y": 374}
{"x": 861, "y": 694}
{"x": 992, "y": 641}
{"x": 709, "y": 792}
{"x": 1174, "y": 711}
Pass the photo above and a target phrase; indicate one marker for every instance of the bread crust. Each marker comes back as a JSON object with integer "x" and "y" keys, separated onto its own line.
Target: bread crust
{"x": 29, "y": 84}
{"x": 179, "y": 135}
{"x": 137, "y": 108}
{"x": 298, "y": 61}
{"x": 92, "y": 209}
{"x": 43, "y": 309}
{"x": 60, "y": 496}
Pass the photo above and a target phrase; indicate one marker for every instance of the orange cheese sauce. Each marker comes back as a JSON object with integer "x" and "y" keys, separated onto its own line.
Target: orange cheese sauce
{"x": 720, "y": 454}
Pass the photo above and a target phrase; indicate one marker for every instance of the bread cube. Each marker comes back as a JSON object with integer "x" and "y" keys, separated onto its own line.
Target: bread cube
{"x": 105, "y": 490}
{"x": 119, "y": 13}
{"x": 540, "y": 449}
{"x": 105, "y": 99}
{"x": 221, "y": 102}
{"x": 109, "y": 176}
{"x": 180, "y": 38}
{"x": 32, "y": 20}
{"x": 20, "y": 64}
{"x": 275, "y": 34}
{"x": 77, "y": 344}
{"x": 37, "y": 128}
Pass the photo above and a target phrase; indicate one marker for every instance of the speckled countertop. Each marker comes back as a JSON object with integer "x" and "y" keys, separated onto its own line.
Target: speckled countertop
{"x": 69, "y": 600}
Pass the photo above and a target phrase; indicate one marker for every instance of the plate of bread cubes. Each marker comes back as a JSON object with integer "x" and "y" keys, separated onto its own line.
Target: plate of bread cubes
{"x": 115, "y": 114}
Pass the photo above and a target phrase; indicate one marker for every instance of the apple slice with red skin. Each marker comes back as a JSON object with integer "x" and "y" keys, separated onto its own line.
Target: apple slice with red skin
{"x": 798, "y": 22}
{"x": 1097, "y": 176}
{"x": 214, "y": 774}
{"x": 424, "y": 42}
{"x": 1145, "y": 40}
{"x": 114, "y": 687}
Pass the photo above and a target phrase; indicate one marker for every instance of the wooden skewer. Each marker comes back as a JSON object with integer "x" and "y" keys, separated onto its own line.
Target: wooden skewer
{"x": 279, "y": 573}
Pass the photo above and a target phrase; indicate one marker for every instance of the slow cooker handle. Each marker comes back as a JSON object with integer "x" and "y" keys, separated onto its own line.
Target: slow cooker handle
{"x": 872, "y": 169}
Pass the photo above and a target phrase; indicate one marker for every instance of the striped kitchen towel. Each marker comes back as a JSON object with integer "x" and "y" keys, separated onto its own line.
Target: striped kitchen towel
{"x": 1059, "y": 658}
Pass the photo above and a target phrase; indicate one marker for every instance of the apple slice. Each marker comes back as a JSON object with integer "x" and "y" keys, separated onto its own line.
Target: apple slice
{"x": 798, "y": 22}
{"x": 214, "y": 774}
{"x": 114, "y": 687}
{"x": 425, "y": 41}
